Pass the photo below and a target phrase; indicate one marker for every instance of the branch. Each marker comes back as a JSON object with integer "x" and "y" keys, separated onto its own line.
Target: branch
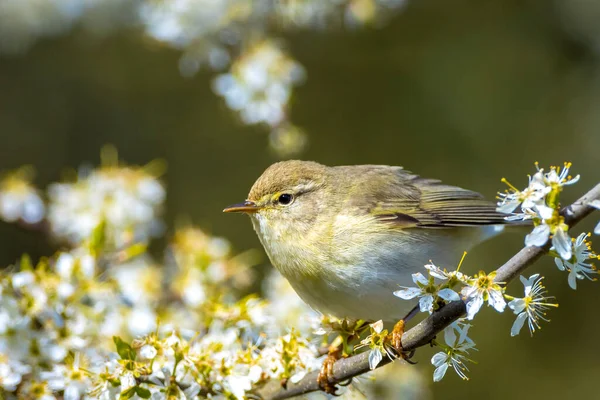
{"x": 427, "y": 329}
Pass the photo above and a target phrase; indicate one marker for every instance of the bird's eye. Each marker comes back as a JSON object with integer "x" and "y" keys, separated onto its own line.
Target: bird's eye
{"x": 285, "y": 199}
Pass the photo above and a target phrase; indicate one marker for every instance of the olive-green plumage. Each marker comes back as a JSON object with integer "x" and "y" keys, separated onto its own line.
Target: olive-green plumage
{"x": 346, "y": 237}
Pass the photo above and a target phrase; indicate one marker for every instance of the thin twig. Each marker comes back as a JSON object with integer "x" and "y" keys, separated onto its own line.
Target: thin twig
{"x": 426, "y": 330}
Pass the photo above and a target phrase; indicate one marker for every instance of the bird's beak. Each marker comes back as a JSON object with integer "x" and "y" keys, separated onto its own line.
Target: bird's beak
{"x": 249, "y": 207}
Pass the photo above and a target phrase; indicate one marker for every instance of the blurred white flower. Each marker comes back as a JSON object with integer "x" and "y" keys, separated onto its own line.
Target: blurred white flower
{"x": 237, "y": 385}
{"x": 532, "y": 307}
{"x": 578, "y": 266}
{"x": 259, "y": 84}
{"x": 139, "y": 280}
{"x": 78, "y": 262}
{"x": 11, "y": 373}
{"x": 141, "y": 321}
{"x": 287, "y": 140}
{"x": 286, "y": 308}
{"x": 127, "y": 200}
{"x": 19, "y": 199}
{"x": 148, "y": 352}
{"x": 127, "y": 381}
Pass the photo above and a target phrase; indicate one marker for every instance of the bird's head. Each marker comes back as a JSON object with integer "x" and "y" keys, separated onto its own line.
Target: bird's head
{"x": 287, "y": 199}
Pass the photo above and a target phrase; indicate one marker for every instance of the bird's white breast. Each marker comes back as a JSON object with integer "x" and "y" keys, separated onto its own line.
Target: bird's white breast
{"x": 354, "y": 273}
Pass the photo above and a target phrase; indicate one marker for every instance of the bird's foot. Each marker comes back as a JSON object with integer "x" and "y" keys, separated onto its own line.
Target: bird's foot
{"x": 326, "y": 380}
{"x": 395, "y": 339}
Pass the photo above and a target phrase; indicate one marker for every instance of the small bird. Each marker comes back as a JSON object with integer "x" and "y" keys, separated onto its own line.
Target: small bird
{"x": 347, "y": 237}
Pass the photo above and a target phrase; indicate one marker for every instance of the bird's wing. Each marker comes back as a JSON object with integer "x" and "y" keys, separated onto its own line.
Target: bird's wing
{"x": 417, "y": 202}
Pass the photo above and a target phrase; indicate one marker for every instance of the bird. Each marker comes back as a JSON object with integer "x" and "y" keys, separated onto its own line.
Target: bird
{"x": 346, "y": 237}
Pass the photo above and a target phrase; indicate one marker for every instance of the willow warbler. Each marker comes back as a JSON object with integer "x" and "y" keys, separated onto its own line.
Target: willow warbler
{"x": 346, "y": 237}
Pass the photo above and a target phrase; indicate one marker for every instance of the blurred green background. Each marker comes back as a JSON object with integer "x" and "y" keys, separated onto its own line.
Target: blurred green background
{"x": 464, "y": 91}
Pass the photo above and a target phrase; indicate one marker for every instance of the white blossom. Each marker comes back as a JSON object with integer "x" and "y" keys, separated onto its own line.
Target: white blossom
{"x": 127, "y": 381}
{"x": 444, "y": 275}
{"x": 427, "y": 292}
{"x": 148, "y": 352}
{"x": 539, "y": 201}
{"x": 578, "y": 266}
{"x": 127, "y": 200}
{"x": 532, "y": 307}
{"x": 11, "y": 374}
{"x": 483, "y": 288}
{"x": 376, "y": 352}
{"x": 561, "y": 240}
{"x": 458, "y": 345}
{"x": 531, "y": 196}
{"x": 560, "y": 176}
{"x": 19, "y": 199}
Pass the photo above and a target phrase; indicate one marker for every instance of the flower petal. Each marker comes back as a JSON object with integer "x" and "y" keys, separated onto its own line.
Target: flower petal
{"x": 435, "y": 272}
{"x": 408, "y": 293}
{"x": 595, "y": 204}
{"x": 559, "y": 263}
{"x": 539, "y": 236}
{"x": 377, "y": 326}
{"x": 419, "y": 278}
{"x": 439, "y": 372}
{"x": 518, "y": 324}
{"x": 426, "y": 303}
{"x": 496, "y": 300}
{"x": 439, "y": 359}
{"x": 528, "y": 283}
{"x": 508, "y": 207}
{"x": 572, "y": 279}
{"x": 375, "y": 358}
{"x": 517, "y": 305}
{"x": 464, "y": 331}
{"x": 473, "y": 306}
{"x": 448, "y": 295}
{"x": 597, "y": 229}
{"x": 580, "y": 240}
{"x": 450, "y": 336}
{"x": 468, "y": 291}
{"x": 562, "y": 244}
{"x": 544, "y": 212}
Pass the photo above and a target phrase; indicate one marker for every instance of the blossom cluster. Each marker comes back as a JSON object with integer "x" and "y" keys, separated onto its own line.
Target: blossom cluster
{"x": 259, "y": 86}
{"x": 539, "y": 202}
{"x": 225, "y": 35}
{"x": 103, "y": 318}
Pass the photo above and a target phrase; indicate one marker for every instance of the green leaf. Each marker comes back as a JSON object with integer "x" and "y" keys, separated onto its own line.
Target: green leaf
{"x": 98, "y": 238}
{"x": 25, "y": 263}
{"x": 128, "y": 393}
{"x": 143, "y": 392}
{"x": 125, "y": 351}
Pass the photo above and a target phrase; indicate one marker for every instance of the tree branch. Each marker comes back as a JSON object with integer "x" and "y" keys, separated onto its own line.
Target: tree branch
{"x": 427, "y": 329}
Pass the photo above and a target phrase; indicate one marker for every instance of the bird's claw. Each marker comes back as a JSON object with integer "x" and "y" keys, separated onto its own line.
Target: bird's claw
{"x": 326, "y": 380}
{"x": 395, "y": 339}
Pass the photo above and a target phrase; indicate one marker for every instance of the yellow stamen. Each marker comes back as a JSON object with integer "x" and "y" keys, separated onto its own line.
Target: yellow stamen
{"x": 461, "y": 261}
{"x": 504, "y": 180}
